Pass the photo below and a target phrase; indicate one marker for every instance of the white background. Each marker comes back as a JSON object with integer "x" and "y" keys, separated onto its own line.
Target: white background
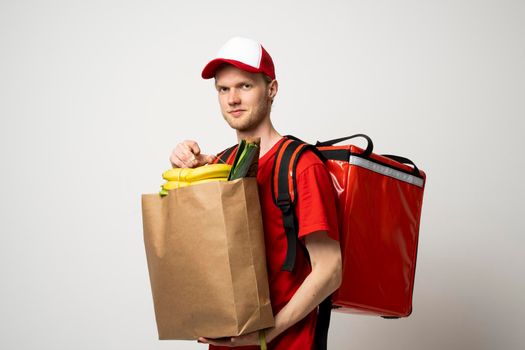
{"x": 95, "y": 94}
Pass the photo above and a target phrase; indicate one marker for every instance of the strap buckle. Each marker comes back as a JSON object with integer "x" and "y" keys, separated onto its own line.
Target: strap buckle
{"x": 284, "y": 203}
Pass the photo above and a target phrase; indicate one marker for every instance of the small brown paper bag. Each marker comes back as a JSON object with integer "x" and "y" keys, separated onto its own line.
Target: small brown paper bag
{"x": 206, "y": 260}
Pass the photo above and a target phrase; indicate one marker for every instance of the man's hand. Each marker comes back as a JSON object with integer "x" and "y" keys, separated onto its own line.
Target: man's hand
{"x": 187, "y": 154}
{"x": 242, "y": 340}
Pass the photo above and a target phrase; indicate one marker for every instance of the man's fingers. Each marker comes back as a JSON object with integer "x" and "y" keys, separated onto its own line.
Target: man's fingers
{"x": 203, "y": 159}
{"x": 183, "y": 161}
{"x": 174, "y": 160}
{"x": 177, "y": 162}
{"x": 185, "y": 152}
{"x": 188, "y": 152}
{"x": 193, "y": 147}
{"x": 187, "y": 155}
{"x": 218, "y": 342}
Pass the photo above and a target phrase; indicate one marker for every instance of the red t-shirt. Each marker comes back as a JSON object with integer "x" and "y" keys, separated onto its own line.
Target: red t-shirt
{"x": 315, "y": 210}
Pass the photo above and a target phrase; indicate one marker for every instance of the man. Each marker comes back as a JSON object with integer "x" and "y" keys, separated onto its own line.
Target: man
{"x": 246, "y": 86}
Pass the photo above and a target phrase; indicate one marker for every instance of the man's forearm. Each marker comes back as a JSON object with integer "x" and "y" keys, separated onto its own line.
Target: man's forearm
{"x": 319, "y": 284}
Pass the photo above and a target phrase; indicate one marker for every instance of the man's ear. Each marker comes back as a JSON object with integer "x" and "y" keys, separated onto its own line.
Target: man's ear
{"x": 273, "y": 87}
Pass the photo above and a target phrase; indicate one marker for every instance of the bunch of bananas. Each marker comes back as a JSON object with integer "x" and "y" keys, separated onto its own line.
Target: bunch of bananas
{"x": 182, "y": 177}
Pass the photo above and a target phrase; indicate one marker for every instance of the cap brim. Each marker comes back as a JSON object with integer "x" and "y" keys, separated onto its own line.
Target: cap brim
{"x": 209, "y": 71}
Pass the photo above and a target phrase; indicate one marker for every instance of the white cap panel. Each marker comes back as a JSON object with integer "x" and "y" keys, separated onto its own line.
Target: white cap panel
{"x": 243, "y": 50}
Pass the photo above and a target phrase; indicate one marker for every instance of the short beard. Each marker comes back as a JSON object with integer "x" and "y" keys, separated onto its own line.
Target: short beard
{"x": 251, "y": 123}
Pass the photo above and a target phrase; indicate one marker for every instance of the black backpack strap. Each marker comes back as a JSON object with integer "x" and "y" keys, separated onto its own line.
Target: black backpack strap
{"x": 284, "y": 191}
{"x": 226, "y": 155}
{"x": 323, "y": 323}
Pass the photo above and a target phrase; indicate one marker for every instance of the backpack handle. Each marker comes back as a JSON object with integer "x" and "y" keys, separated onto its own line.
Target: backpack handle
{"x": 366, "y": 153}
{"x": 404, "y": 160}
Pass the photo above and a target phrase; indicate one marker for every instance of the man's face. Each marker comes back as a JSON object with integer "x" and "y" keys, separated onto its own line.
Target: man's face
{"x": 244, "y": 97}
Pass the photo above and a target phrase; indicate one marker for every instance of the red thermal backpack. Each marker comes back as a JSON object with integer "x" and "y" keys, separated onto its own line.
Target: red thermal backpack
{"x": 379, "y": 201}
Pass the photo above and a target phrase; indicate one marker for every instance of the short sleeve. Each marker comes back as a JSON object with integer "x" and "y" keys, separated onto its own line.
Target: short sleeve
{"x": 316, "y": 208}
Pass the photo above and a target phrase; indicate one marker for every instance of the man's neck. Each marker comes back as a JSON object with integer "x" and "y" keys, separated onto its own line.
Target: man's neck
{"x": 268, "y": 135}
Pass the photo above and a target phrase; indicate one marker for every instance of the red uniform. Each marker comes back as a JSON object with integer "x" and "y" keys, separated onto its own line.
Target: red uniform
{"x": 315, "y": 210}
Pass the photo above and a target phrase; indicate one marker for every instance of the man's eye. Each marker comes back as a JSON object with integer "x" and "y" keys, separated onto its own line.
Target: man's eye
{"x": 246, "y": 86}
{"x": 223, "y": 89}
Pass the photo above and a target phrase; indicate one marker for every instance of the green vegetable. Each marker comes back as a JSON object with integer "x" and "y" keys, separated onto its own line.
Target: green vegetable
{"x": 246, "y": 160}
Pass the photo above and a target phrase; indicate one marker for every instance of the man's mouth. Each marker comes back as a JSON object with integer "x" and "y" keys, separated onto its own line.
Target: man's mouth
{"x": 236, "y": 112}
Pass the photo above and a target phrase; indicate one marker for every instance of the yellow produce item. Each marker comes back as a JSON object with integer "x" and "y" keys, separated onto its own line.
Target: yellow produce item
{"x": 208, "y": 180}
{"x": 176, "y": 174}
{"x": 170, "y": 185}
{"x": 196, "y": 174}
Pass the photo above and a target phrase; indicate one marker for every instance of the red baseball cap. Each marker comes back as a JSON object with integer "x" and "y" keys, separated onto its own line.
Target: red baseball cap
{"x": 243, "y": 53}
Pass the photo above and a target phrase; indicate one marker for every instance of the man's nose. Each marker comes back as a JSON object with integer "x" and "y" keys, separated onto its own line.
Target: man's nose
{"x": 233, "y": 97}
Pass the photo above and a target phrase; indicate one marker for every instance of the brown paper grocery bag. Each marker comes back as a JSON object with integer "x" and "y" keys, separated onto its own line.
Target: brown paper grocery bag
{"x": 206, "y": 260}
